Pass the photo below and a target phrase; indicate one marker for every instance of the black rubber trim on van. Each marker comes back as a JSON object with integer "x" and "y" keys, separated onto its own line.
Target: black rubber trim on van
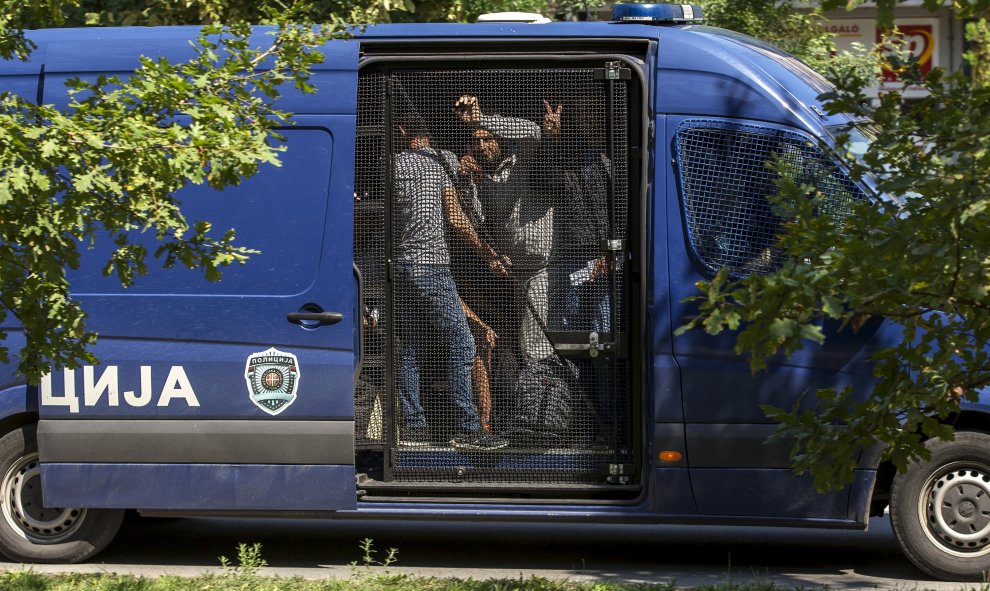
{"x": 196, "y": 442}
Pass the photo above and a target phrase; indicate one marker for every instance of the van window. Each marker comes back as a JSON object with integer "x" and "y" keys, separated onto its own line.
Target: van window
{"x": 724, "y": 180}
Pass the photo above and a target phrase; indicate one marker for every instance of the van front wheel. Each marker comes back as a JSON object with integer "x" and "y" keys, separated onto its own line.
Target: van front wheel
{"x": 31, "y": 532}
{"x": 940, "y": 508}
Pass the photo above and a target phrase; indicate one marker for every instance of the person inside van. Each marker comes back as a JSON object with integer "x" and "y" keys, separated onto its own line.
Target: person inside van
{"x": 430, "y": 321}
{"x": 574, "y": 170}
{"x": 521, "y": 223}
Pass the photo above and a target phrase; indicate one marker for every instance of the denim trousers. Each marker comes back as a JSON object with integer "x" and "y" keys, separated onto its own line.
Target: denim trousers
{"x": 433, "y": 332}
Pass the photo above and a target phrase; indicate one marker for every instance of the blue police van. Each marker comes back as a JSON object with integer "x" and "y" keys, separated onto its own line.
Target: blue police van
{"x": 472, "y": 262}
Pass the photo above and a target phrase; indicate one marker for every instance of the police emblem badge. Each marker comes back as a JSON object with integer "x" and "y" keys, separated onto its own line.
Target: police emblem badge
{"x": 272, "y": 378}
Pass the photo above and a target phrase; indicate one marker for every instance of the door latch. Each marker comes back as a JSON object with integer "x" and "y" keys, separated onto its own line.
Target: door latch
{"x": 594, "y": 346}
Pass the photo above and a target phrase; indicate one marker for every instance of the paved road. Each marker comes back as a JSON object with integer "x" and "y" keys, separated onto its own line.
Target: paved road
{"x": 688, "y": 555}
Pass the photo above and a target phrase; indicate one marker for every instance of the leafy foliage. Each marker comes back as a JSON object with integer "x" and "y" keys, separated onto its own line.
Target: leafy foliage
{"x": 249, "y": 562}
{"x": 17, "y": 15}
{"x": 917, "y": 256}
{"x": 194, "y": 12}
{"x": 111, "y": 163}
{"x": 792, "y": 27}
{"x": 779, "y": 23}
{"x": 183, "y": 12}
{"x": 885, "y": 8}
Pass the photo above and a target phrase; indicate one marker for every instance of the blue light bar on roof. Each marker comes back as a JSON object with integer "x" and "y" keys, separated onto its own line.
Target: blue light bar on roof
{"x": 656, "y": 13}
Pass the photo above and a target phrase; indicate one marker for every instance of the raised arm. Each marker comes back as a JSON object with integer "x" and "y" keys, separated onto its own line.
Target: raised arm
{"x": 468, "y": 108}
{"x": 510, "y": 128}
{"x": 549, "y": 164}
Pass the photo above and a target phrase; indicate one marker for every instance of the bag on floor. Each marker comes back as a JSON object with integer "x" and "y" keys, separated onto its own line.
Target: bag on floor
{"x": 544, "y": 404}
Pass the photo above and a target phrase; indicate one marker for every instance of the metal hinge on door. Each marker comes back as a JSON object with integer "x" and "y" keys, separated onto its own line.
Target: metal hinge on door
{"x": 613, "y": 71}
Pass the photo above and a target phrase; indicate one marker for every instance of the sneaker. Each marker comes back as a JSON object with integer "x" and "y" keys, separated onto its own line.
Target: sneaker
{"x": 479, "y": 440}
{"x": 415, "y": 437}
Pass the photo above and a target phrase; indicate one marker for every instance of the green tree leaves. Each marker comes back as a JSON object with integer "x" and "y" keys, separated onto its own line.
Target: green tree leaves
{"x": 113, "y": 160}
{"x": 916, "y": 255}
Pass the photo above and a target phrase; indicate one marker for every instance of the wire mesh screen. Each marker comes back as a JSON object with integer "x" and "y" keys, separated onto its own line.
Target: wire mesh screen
{"x": 725, "y": 181}
{"x": 503, "y": 189}
{"x": 370, "y": 396}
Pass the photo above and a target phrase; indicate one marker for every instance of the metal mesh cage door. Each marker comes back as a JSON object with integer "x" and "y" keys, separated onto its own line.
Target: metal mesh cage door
{"x": 505, "y": 198}
{"x": 370, "y": 392}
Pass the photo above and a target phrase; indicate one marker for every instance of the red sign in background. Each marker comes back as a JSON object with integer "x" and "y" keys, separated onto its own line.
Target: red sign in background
{"x": 919, "y": 40}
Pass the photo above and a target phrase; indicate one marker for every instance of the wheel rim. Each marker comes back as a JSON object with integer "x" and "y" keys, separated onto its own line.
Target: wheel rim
{"x": 955, "y": 509}
{"x": 23, "y": 509}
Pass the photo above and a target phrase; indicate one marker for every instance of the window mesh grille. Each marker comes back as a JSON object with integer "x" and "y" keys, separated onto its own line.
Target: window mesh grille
{"x": 724, "y": 182}
{"x": 473, "y": 326}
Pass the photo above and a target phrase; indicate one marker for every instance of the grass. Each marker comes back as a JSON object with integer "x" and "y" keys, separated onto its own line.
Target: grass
{"x": 371, "y": 573}
{"x": 26, "y": 580}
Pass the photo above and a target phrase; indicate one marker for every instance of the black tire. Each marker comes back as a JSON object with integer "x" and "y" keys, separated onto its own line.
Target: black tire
{"x": 30, "y": 532}
{"x": 940, "y": 509}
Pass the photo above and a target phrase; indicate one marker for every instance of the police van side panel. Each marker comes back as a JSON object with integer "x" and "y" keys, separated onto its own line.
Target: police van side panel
{"x": 725, "y": 111}
{"x": 196, "y": 359}
{"x": 219, "y": 396}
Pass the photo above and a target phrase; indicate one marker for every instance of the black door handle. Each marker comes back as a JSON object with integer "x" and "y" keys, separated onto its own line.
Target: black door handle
{"x": 314, "y": 318}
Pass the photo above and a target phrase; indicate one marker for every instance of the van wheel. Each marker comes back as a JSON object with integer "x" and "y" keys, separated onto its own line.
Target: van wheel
{"x": 940, "y": 509}
{"x": 31, "y": 532}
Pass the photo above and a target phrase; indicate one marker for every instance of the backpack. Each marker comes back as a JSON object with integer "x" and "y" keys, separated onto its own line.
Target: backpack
{"x": 547, "y": 395}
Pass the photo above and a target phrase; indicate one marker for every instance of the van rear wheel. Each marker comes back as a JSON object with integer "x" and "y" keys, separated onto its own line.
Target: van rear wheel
{"x": 940, "y": 508}
{"x": 31, "y": 532}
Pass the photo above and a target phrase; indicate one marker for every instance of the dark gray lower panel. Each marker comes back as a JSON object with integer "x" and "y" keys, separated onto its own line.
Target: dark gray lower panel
{"x": 199, "y": 487}
{"x": 734, "y": 445}
{"x": 745, "y": 445}
{"x": 769, "y": 493}
{"x": 197, "y": 442}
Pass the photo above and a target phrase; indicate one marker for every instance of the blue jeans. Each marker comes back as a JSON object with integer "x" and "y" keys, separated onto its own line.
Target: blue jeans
{"x": 432, "y": 327}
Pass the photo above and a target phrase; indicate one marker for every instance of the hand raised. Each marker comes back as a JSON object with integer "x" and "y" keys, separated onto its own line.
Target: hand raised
{"x": 468, "y": 109}
{"x": 551, "y": 118}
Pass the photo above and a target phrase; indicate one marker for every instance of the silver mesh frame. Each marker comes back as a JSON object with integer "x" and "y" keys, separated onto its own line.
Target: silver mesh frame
{"x": 549, "y": 203}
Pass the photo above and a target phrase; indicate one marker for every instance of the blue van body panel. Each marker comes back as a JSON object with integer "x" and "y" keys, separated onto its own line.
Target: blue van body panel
{"x": 192, "y": 487}
{"x": 16, "y": 398}
{"x": 665, "y": 383}
{"x": 63, "y": 57}
{"x": 176, "y": 347}
{"x": 713, "y": 72}
{"x": 981, "y": 406}
{"x": 24, "y": 85}
{"x": 672, "y": 492}
{"x": 175, "y": 318}
{"x": 23, "y": 78}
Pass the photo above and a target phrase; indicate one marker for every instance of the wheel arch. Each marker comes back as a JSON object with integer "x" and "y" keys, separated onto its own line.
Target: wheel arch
{"x": 975, "y": 418}
{"x": 18, "y": 407}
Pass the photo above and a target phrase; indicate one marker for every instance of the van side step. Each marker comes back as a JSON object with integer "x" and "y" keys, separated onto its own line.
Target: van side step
{"x": 376, "y": 490}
